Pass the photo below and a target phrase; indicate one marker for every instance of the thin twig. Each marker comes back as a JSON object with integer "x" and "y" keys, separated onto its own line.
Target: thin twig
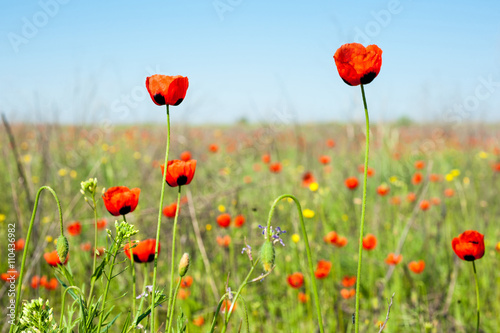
{"x": 382, "y": 326}
{"x": 201, "y": 246}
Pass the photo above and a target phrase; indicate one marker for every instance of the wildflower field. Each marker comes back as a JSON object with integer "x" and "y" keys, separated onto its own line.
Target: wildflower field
{"x": 269, "y": 228}
{"x": 426, "y": 185}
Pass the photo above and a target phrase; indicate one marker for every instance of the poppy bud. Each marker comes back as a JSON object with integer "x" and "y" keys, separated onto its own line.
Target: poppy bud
{"x": 62, "y": 248}
{"x": 267, "y": 255}
{"x": 184, "y": 265}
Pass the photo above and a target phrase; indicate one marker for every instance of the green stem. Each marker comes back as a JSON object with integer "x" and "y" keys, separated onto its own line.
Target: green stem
{"x": 172, "y": 266}
{"x": 230, "y": 311}
{"x": 159, "y": 221}
{"x": 101, "y": 317}
{"x": 63, "y": 301}
{"x": 214, "y": 321}
{"x": 363, "y": 208}
{"x": 308, "y": 251}
{"x": 171, "y": 314}
{"x": 477, "y": 294}
{"x": 26, "y": 245}
{"x": 92, "y": 282}
{"x": 133, "y": 275}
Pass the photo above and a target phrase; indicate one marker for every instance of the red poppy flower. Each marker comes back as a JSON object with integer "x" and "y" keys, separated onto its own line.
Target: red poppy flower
{"x": 351, "y": 183}
{"x": 275, "y": 167}
{"x": 266, "y": 158}
{"x": 43, "y": 281}
{"x": 303, "y": 298}
{"x": 179, "y": 172}
{"x": 85, "y": 246}
{"x": 35, "y": 282}
{"x": 417, "y": 267}
{"x": 223, "y": 241}
{"x": 417, "y": 178}
{"x": 186, "y": 281}
{"x": 395, "y": 200}
{"x": 434, "y": 177}
{"x": 183, "y": 294}
{"x": 425, "y": 205}
{"x": 169, "y": 211}
{"x": 52, "y": 258}
{"x": 331, "y": 237}
{"x": 393, "y": 259}
{"x": 341, "y": 241}
{"x": 369, "y": 242}
{"x": 213, "y": 148}
{"x": 307, "y": 179}
{"x": 198, "y": 321}
{"x": 11, "y": 275}
{"x": 120, "y": 200}
{"x": 169, "y": 90}
{"x": 323, "y": 269}
{"x": 436, "y": 201}
{"x": 224, "y": 220}
{"x": 324, "y": 159}
{"x": 226, "y": 305}
{"x": 347, "y": 293}
{"x": 411, "y": 197}
{"x": 51, "y": 284}
{"x": 19, "y": 244}
{"x": 75, "y": 228}
{"x": 330, "y": 143}
{"x": 101, "y": 224}
{"x": 349, "y": 281}
{"x": 239, "y": 221}
{"x": 496, "y": 167}
{"x": 449, "y": 192}
{"x": 369, "y": 173}
{"x": 469, "y": 245}
{"x": 185, "y": 156}
{"x": 383, "y": 189}
{"x": 419, "y": 165}
{"x": 295, "y": 280}
{"x": 357, "y": 64}
{"x": 143, "y": 251}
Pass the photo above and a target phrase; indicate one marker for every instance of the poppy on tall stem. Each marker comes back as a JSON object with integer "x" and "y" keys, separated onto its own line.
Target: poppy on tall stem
{"x": 469, "y": 246}
{"x": 165, "y": 90}
{"x": 358, "y": 65}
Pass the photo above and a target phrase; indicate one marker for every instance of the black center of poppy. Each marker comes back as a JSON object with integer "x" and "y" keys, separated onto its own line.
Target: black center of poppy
{"x": 469, "y": 257}
{"x": 474, "y": 242}
{"x": 159, "y": 99}
{"x": 179, "y": 101}
{"x": 346, "y": 82}
{"x": 151, "y": 257}
{"x": 136, "y": 258}
{"x": 367, "y": 78}
{"x": 125, "y": 210}
{"x": 182, "y": 180}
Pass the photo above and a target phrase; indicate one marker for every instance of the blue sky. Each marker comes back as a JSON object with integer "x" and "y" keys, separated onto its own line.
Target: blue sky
{"x": 260, "y": 60}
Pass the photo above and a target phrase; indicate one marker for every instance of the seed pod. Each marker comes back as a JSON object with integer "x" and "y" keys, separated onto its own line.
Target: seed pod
{"x": 62, "y": 248}
{"x": 267, "y": 255}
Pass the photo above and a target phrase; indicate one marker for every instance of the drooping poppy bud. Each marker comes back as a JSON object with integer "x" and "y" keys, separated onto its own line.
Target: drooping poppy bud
{"x": 62, "y": 248}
